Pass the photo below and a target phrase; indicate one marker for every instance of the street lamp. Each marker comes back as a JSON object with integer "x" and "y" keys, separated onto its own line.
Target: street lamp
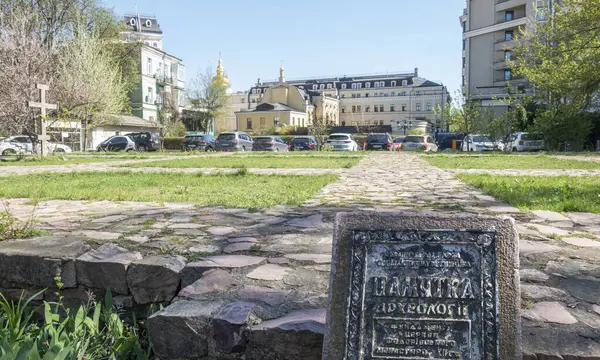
{"x": 404, "y": 125}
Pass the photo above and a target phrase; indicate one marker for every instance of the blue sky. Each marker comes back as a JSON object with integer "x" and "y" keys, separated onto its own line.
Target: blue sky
{"x": 311, "y": 37}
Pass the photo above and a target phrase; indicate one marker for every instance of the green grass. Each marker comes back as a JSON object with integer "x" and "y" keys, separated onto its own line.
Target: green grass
{"x": 52, "y": 160}
{"x": 231, "y": 190}
{"x": 293, "y": 162}
{"x": 518, "y": 162}
{"x": 556, "y": 193}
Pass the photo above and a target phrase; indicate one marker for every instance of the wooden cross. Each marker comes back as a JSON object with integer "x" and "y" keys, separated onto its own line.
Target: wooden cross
{"x": 43, "y": 106}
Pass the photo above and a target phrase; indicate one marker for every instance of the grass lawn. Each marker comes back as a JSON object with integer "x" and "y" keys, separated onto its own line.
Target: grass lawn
{"x": 231, "y": 190}
{"x": 52, "y": 160}
{"x": 556, "y": 193}
{"x": 275, "y": 161}
{"x": 518, "y": 162}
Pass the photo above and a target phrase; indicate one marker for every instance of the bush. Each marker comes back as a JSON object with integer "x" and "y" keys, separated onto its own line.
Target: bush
{"x": 564, "y": 129}
{"x": 172, "y": 143}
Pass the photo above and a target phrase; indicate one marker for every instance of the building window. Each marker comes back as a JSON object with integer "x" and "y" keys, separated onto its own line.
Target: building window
{"x": 465, "y": 44}
{"x": 359, "y": 85}
{"x": 276, "y": 120}
{"x": 358, "y": 95}
{"x": 464, "y": 26}
{"x": 353, "y": 108}
{"x": 403, "y": 93}
{"x": 367, "y": 108}
{"x": 376, "y": 84}
{"x": 464, "y": 62}
{"x": 249, "y": 123}
{"x": 258, "y": 91}
{"x": 393, "y": 84}
{"x": 508, "y": 35}
{"x": 403, "y": 107}
{"x": 509, "y": 15}
{"x": 293, "y": 121}
{"x": 393, "y": 93}
{"x": 393, "y": 107}
{"x": 507, "y": 75}
{"x": 380, "y": 122}
{"x": 367, "y": 85}
{"x": 253, "y": 100}
{"x": 315, "y": 87}
{"x": 343, "y": 96}
{"x": 507, "y": 55}
{"x": 254, "y": 91}
{"x": 464, "y": 81}
{"x": 149, "y": 66}
{"x": 418, "y": 107}
{"x": 322, "y": 87}
{"x": 376, "y": 108}
{"x": 380, "y": 108}
{"x": 358, "y": 108}
{"x": 353, "y": 86}
{"x": 404, "y": 82}
{"x": 155, "y": 44}
{"x": 418, "y": 92}
{"x": 149, "y": 96}
{"x": 382, "y": 84}
{"x": 343, "y": 86}
{"x": 386, "y": 94}
{"x": 329, "y": 86}
{"x": 353, "y": 96}
{"x": 428, "y": 107}
{"x": 343, "y": 109}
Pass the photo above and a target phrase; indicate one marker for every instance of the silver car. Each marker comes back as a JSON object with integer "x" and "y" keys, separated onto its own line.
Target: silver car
{"x": 269, "y": 143}
{"x": 418, "y": 143}
{"x": 233, "y": 141}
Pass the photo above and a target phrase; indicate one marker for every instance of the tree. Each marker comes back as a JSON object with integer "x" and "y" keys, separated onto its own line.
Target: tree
{"x": 320, "y": 128}
{"x": 208, "y": 97}
{"x": 561, "y": 55}
{"x": 466, "y": 115}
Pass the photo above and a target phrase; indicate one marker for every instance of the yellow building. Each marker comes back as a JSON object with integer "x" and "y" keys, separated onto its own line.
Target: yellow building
{"x": 287, "y": 105}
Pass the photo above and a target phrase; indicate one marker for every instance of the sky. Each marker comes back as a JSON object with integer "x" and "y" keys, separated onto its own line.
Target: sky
{"x": 310, "y": 37}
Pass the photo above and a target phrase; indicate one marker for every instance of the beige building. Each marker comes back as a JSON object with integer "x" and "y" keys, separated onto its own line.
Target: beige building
{"x": 400, "y": 99}
{"x": 489, "y": 31}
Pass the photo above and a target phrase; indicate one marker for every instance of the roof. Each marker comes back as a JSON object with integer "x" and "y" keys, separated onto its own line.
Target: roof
{"x": 429, "y": 83}
{"x": 133, "y": 24}
{"x": 130, "y": 120}
{"x": 273, "y": 107}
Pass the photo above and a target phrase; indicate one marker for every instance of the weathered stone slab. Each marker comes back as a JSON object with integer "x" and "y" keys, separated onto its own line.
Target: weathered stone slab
{"x": 211, "y": 281}
{"x": 310, "y": 258}
{"x": 229, "y": 327}
{"x": 155, "y": 278}
{"x": 454, "y": 279}
{"x": 550, "y": 215}
{"x": 551, "y": 312}
{"x": 296, "y": 336}
{"x": 268, "y": 272}
{"x": 106, "y": 267}
{"x": 194, "y": 270}
{"x": 36, "y": 262}
{"x": 267, "y": 295}
{"x": 182, "y": 329}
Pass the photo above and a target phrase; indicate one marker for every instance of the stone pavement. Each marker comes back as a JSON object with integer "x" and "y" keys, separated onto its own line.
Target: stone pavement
{"x": 274, "y": 263}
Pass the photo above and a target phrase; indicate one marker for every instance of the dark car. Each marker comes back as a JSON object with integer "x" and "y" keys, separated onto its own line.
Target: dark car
{"x": 117, "y": 143}
{"x": 145, "y": 141}
{"x": 269, "y": 143}
{"x": 198, "y": 143}
{"x": 378, "y": 142}
{"x": 444, "y": 140}
{"x": 304, "y": 143}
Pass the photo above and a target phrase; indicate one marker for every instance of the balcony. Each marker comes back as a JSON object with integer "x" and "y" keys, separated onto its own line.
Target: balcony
{"x": 514, "y": 81}
{"x": 499, "y": 25}
{"x": 502, "y": 5}
{"x": 163, "y": 79}
{"x": 502, "y": 44}
{"x": 501, "y": 64}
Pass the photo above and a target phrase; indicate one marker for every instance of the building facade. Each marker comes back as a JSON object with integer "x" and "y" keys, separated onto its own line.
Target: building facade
{"x": 489, "y": 31}
{"x": 162, "y": 76}
{"x": 401, "y": 99}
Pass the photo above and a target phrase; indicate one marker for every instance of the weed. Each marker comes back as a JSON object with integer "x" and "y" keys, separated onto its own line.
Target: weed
{"x": 177, "y": 240}
{"x": 147, "y": 224}
{"x": 12, "y": 228}
{"x": 197, "y": 255}
{"x": 584, "y": 235}
{"x": 166, "y": 250}
{"x": 242, "y": 171}
{"x": 255, "y": 248}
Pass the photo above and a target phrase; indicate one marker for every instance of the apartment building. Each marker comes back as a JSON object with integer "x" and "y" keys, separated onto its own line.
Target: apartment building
{"x": 398, "y": 99}
{"x": 162, "y": 75}
{"x": 489, "y": 31}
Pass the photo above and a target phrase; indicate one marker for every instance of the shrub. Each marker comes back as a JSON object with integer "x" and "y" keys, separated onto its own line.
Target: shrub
{"x": 172, "y": 143}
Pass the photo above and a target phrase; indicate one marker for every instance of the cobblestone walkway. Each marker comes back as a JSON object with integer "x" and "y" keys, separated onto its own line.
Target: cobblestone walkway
{"x": 280, "y": 257}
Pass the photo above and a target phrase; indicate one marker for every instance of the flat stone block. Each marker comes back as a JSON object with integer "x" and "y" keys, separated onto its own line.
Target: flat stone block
{"x": 268, "y": 272}
{"x": 106, "y": 267}
{"x": 229, "y": 327}
{"x": 155, "y": 278}
{"x": 296, "y": 336}
{"x": 110, "y": 219}
{"x": 550, "y": 215}
{"x": 527, "y": 247}
{"x": 194, "y": 270}
{"x": 267, "y": 295}
{"x": 240, "y": 246}
{"x": 583, "y": 242}
{"x": 220, "y": 230}
{"x": 310, "y": 258}
{"x": 182, "y": 329}
{"x": 36, "y": 262}
{"x": 533, "y": 275}
{"x": 212, "y": 281}
{"x": 537, "y": 292}
{"x": 100, "y": 235}
{"x": 551, "y": 312}
{"x": 312, "y": 222}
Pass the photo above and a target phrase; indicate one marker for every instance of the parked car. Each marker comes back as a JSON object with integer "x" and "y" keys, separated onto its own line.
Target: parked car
{"x": 269, "y": 143}
{"x": 341, "y": 142}
{"x": 145, "y": 141}
{"x": 233, "y": 141}
{"x": 418, "y": 143}
{"x": 198, "y": 143}
{"x": 378, "y": 142}
{"x": 304, "y": 143}
{"x": 117, "y": 143}
{"x": 397, "y": 143}
{"x": 479, "y": 143}
{"x": 23, "y": 145}
{"x": 444, "y": 140}
{"x": 523, "y": 141}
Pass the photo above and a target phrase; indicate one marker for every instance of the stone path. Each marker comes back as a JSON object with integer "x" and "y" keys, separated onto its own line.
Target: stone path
{"x": 279, "y": 258}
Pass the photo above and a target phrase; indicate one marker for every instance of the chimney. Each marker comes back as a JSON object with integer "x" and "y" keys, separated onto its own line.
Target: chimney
{"x": 417, "y": 72}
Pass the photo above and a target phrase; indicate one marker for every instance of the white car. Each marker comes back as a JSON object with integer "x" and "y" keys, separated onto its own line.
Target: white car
{"x": 22, "y": 145}
{"x": 341, "y": 142}
{"x": 523, "y": 141}
{"x": 479, "y": 143}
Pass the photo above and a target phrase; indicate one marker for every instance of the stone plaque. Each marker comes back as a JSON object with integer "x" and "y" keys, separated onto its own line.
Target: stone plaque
{"x": 408, "y": 287}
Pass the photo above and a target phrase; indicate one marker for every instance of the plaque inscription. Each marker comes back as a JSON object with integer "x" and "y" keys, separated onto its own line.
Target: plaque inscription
{"x": 427, "y": 294}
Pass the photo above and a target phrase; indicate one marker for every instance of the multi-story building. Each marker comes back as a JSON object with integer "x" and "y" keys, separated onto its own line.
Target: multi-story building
{"x": 489, "y": 31}
{"x": 397, "y": 99}
{"x": 162, "y": 76}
